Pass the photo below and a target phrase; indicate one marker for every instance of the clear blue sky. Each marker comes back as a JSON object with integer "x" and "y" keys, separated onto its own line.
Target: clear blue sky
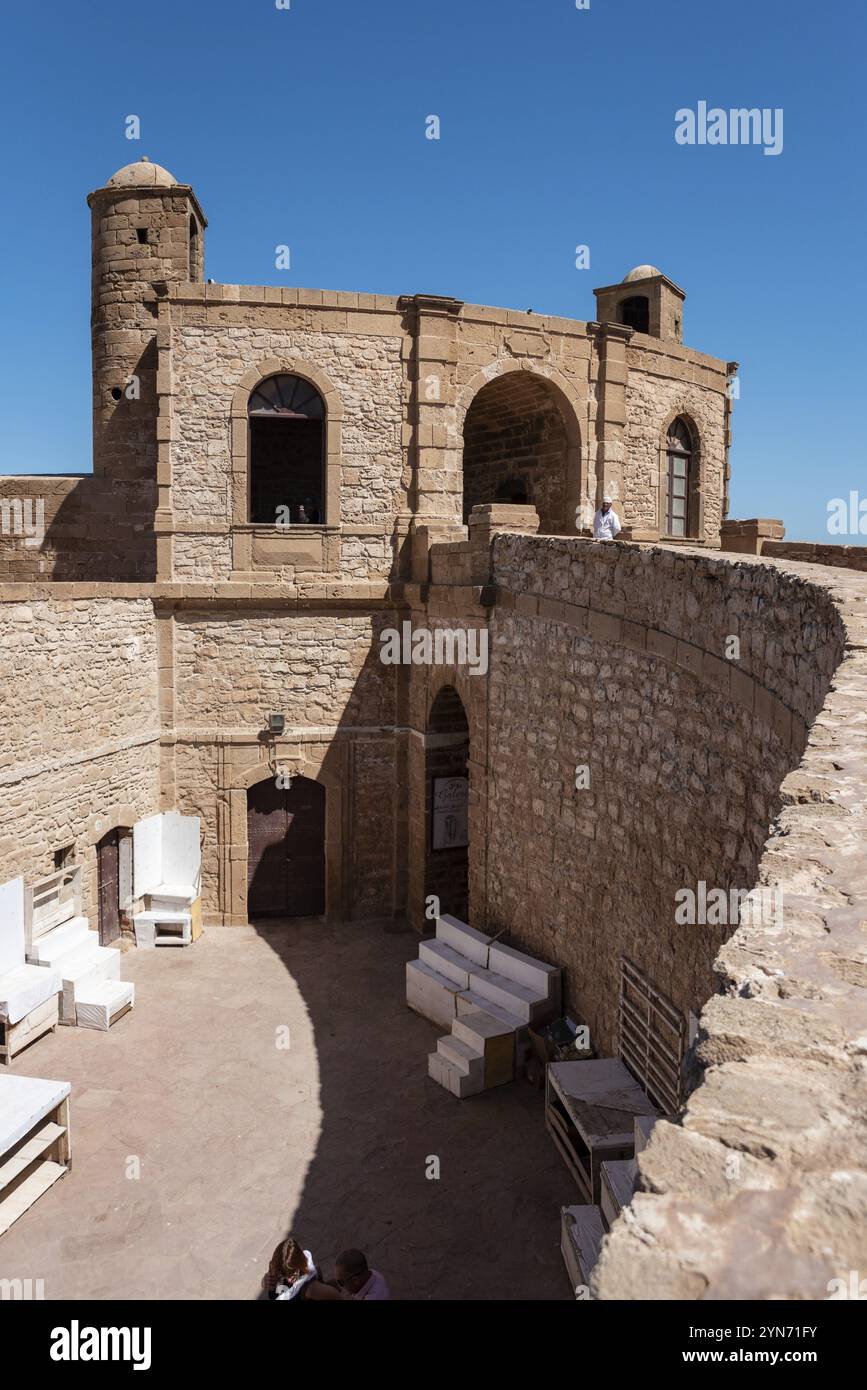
{"x": 307, "y": 127}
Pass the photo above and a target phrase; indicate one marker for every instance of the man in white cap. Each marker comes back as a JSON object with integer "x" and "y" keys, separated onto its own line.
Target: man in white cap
{"x": 606, "y": 522}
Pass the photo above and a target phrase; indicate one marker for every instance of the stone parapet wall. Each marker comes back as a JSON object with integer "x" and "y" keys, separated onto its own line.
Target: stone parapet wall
{"x": 852, "y": 557}
{"x": 88, "y": 529}
{"x": 761, "y": 1190}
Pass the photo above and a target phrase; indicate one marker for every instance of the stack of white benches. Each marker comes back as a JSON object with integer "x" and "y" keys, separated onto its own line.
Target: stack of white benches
{"x": 167, "y": 863}
{"x": 486, "y": 994}
{"x": 28, "y": 994}
{"x": 59, "y": 937}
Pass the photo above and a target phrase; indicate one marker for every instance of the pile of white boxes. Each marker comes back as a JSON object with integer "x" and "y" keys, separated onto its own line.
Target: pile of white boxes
{"x": 167, "y": 866}
{"x": 486, "y": 994}
{"x": 52, "y": 967}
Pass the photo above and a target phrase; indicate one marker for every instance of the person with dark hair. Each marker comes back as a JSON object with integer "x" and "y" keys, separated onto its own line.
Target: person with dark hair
{"x": 358, "y": 1280}
{"x": 292, "y": 1275}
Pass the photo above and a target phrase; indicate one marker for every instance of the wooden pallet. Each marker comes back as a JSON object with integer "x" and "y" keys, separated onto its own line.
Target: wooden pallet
{"x": 37, "y": 1159}
{"x": 15, "y": 1036}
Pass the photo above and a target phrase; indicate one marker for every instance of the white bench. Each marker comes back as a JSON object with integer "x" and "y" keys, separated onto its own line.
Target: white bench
{"x": 34, "y": 1141}
{"x": 28, "y": 993}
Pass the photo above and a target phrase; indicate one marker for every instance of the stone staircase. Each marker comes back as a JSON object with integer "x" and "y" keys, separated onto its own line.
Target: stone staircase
{"x": 85, "y": 968}
{"x": 486, "y": 994}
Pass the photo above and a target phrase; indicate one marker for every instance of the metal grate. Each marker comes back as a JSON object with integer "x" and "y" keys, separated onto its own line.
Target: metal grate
{"x": 652, "y": 1038}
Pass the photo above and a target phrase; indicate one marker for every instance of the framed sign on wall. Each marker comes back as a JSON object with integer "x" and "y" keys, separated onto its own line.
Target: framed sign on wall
{"x": 449, "y": 818}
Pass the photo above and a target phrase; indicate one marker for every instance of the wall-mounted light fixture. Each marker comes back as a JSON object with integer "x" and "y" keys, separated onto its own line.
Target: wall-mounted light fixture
{"x": 276, "y": 724}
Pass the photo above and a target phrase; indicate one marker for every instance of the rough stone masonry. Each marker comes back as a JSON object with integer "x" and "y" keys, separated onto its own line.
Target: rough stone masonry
{"x": 147, "y": 639}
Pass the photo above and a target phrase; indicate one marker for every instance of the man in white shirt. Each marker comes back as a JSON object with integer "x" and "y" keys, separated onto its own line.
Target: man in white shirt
{"x": 606, "y": 522}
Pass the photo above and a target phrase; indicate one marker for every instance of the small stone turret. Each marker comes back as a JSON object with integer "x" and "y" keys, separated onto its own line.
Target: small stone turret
{"x": 646, "y": 301}
{"x": 146, "y": 227}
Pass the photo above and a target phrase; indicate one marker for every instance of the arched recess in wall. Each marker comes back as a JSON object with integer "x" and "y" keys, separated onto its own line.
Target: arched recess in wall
{"x": 447, "y": 745}
{"x": 240, "y": 429}
{"x": 522, "y": 444}
{"x": 236, "y": 866}
{"x": 681, "y": 492}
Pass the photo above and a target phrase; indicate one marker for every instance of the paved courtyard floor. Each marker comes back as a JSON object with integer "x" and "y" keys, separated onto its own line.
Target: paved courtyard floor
{"x": 271, "y": 1078}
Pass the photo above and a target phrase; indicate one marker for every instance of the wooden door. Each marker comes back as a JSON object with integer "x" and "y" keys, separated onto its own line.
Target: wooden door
{"x": 107, "y": 877}
{"x": 286, "y": 849}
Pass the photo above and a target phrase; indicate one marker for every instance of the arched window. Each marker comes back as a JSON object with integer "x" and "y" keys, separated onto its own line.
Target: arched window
{"x": 635, "y": 312}
{"x": 287, "y": 452}
{"x": 680, "y": 480}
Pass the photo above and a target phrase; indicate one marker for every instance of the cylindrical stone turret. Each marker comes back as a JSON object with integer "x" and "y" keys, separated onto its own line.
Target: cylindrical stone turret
{"x": 146, "y": 227}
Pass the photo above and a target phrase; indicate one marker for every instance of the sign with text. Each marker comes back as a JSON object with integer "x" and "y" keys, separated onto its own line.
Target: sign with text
{"x": 450, "y": 803}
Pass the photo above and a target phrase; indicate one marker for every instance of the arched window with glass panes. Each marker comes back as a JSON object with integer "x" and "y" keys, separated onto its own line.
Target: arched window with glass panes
{"x": 286, "y": 416}
{"x": 680, "y": 480}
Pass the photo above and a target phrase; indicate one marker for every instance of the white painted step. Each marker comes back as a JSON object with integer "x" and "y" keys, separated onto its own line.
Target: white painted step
{"x": 430, "y": 994}
{"x": 469, "y": 1001}
{"x": 527, "y": 1004}
{"x": 162, "y": 928}
{"x": 172, "y": 894}
{"x": 46, "y": 948}
{"x": 463, "y": 939}
{"x": 446, "y": 961}
{"x": 462, "y": 1057}
{"x": 83, "y": 966}
{"x": 101, "y": 1003}
{"x": 476, "y": 1027}
{"x": 542, "y": 979}
{"x": 170, "y": 915}
{"x": 441, "y": 1071}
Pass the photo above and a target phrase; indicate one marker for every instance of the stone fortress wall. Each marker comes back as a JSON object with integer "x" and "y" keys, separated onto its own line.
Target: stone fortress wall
{"x": 80, "y": 739}
{"x": 145, "y": 684}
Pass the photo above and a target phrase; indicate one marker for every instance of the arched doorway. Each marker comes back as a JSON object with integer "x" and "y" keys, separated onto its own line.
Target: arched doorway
{"x": 447, "y": 803}
{"x": 517, "y": 449}
{"x": 286, "y": 848}
{"x": 114, "y": 882}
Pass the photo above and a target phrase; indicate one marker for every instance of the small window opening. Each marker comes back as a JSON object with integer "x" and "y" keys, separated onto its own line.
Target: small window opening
{"x": 64, "y": 857}
{"x": 194, "y": 247}
{"x": 116, "y": 393}
{"x": 142, "y": 235}
{"x": 635, "y": 313}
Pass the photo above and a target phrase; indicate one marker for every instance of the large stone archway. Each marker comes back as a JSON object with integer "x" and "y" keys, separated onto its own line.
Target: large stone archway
{"x": 522, "y": 444}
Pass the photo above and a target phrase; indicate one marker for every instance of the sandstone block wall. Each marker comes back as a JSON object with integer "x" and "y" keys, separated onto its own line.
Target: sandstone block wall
{"x": 613, "y": 659}
{"x": 323, "y": 672}
{"x": 761, "y": 1191}
{"x": 666, "y": 382}
{"x": 80, "y": 735}
{"x": 210, "y": 353}
{"x": 853, "y": 557}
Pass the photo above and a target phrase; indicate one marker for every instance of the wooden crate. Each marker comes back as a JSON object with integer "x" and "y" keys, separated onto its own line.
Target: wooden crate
{"x": 34, "y": 1144}
{"x": 50, "y": 902}
{"x": 15, "y": 1036}
{"x": 590, "y": 1110}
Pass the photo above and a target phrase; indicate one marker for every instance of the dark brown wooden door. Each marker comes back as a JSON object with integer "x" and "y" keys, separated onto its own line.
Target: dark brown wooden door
{"x": 107, "y": 873}
{"x": 286, "y": 849}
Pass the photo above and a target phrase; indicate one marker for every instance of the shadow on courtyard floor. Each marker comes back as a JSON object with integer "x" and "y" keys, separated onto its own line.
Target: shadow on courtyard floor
{"x": 488, "y": 1228}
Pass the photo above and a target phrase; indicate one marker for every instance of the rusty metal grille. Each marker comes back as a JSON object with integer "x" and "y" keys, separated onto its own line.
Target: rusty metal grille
{"x": 652, "y": 1038}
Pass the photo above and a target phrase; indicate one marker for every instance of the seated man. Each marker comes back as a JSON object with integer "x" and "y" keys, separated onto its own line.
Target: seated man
{"x": 357, "y": 1280}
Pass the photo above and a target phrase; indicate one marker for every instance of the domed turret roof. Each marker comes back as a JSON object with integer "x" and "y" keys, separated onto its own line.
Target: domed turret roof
{"x": 641, "y": 272}
{"x": 142, "y": 174}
